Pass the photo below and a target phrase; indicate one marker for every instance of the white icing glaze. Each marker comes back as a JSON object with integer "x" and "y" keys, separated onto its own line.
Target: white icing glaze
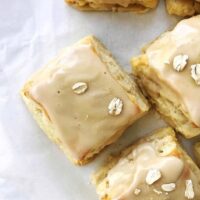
{"x": 184, "y": 39}
{"x": 130, "y": 172}
{"x": 82, "y": 122}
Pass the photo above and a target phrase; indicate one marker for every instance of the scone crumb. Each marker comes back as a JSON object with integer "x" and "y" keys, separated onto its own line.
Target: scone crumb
{"x": 79, "y": 87}
{"x": 189, "y": 191}
{"x": 115, "y": 106}
{"x": 157, "y": 191}
{"x": 137, "y": 191}
{"x": 167, "y": 62}
{"x": 195, "y": 73}
{"x": 180, "y": 62}
{"x": 152, "y": 176}
{"x": 169, "y": 187}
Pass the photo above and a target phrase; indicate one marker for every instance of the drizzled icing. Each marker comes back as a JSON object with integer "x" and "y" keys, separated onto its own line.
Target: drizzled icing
{"x": 130, "y": 172}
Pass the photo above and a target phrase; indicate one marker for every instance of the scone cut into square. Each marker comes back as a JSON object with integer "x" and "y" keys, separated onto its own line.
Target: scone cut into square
{"x": 168, "y": 70}
{"x": 155, "y": 167}
{"x": 138, "y": 6}
{"x": 183, "y": 8}
{"x": 83, "y": 100}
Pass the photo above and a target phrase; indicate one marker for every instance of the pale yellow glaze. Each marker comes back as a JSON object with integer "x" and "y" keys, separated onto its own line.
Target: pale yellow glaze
{"x": 82, "y": 121}
{"x": 129, "y": 174}
{"x": 184, "y": 39}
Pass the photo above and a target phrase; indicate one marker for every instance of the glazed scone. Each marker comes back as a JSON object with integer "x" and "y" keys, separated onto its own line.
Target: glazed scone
{"x": 155, "y": 167}
{"x": 183, "y": 8}
{"x": 197, "y": 152}
{"x": 83, "y": 100}
{"x": 138, "y": 6}
{"x": 169, "y": 72}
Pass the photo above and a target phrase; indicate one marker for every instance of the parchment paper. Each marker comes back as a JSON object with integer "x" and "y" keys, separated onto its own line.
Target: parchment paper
{"x": 31, "y": 32}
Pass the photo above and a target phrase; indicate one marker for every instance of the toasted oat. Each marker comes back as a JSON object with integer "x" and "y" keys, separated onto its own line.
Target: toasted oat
{"x": 195, "y": 73}
{"x": 180, "y": 62}
{"x": 189, "y": 191}
{"x": 79, "y": 87}
{"x": 169, "y": 187}
{"x": 137, "y": 191}
{"x": 115, "y": 106}
{"x": 152, "y": 176}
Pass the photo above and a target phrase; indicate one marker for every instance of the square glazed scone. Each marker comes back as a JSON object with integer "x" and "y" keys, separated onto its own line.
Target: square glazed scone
{"x": 154, "y": 168}
{"x": 183, "y": 8}
{"x": 114, "y": 5}
{"x": 169, "y": 72}
{"x": 83, "y": 100}
{"x": 197, "y": 152}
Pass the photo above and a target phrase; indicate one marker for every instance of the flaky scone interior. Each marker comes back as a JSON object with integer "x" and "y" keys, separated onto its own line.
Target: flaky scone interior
{"x": 183, "y": 8}
{"x": 155, "y": 167}
{"x": 169, "y": 72}
{"x": 83, "y": 100}
{"x": 138, "y": 6}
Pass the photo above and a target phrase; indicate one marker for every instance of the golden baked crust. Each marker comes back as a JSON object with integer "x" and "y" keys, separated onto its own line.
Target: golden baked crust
{"x": 41, "y": 114}
{"x": 158, "y": 79}
{"x": 165, "y": 142}
{"x": 140, "y": 6}
{"x": 183, "y": 8}
{"x": 197, "y": 7}
{"x": 197, "y": 152}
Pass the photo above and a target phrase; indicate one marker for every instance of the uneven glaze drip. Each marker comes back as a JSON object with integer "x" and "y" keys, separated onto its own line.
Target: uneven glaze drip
{"x": 130, "y": 172}
{"x": 82, "y": 122}
{"x": 184, "y": 39}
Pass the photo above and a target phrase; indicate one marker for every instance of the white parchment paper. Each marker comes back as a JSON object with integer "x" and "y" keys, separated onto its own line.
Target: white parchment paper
{"x": 31, "y": 32}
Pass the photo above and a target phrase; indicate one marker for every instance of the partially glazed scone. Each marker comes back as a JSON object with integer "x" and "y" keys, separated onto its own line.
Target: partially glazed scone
{"x": 183, "y": 8}
{"x": 197, "y": 152}
{"x": 114, "y": 5}
{"x": 83, "y": 100}
{"x": 155, "y": 167}
{"x": 169, "y": 72}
